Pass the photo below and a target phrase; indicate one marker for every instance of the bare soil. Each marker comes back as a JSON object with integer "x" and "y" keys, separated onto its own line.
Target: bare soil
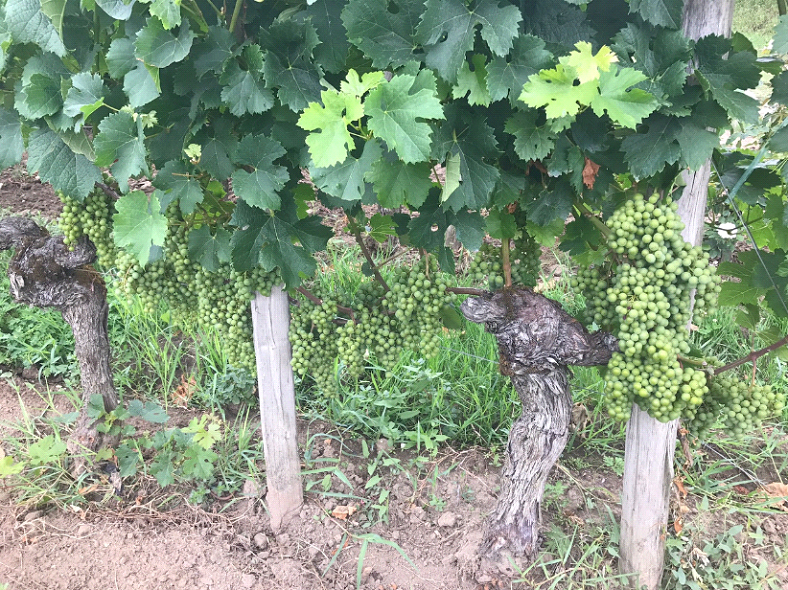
{"x": 146, "y": 538}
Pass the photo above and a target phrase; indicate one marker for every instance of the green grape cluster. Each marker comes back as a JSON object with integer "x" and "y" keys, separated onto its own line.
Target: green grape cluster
{"x": 91, "y": 218}
{"x": 738, "y": 405}
{"x": 381, "y": 324}
{"x": 486, "y": 267}
{"x": 217, "y": 299}
{"x": 525, "y": 259}
{"x": 643, "y": 295}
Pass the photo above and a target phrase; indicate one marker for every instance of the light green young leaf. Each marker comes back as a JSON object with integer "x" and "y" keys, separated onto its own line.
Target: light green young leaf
{"x": 56, "y": 163}
{"x": 27, "y": 23}
{"x": 120, "y": 143}
{"x": 556, "y": 91}
{"x": 158, "y": 47}
{"x": 261, "y": 186}
{"x": 587, "y": 65}
{"x": 356, "y": 86}
{"x": 139, "y": 224}
{"x": 397, "y": 116}
{"x": 330, "y": 139}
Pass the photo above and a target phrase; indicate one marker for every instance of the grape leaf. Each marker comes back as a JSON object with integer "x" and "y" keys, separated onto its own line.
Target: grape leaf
{"x": 218, "y": 150}
{"x": 473, "y": 141}
{"x": 624, "y": 105}
{"x": 780, "y": 87}
{"x": 647, "y": 153}
{"x": 743, "y": 293}
{"x": 469, "y": 226}
{"x": 214, "y": 51}
{"x": 530, "y": 142}
{"x": 54, "y": 10}
{"x": 210, "y": 250}
{"x": 384, "y": 31}
{"x": 359, "y": 86}
{"x": 28, "y": 24}
{"x": 428, "y": 230}
{"x": 141, "y": 86}
{"x": 148, "y": 411}
{"x": 244, "y": 89}
{"x": 506, "y": 76}
{"x": 697, "y": 144}
{"x": 556, "y": 91}
{"x": 120, "y": 57}
{"x": 397, "y": 183}
{"x": 11, "y": 143}
{"x": 346, "y": 181}
{"x": 120, "y": 143}
{"x": 780, "y": 41}
{"x": 85, "y": 96}
{"x": 501, "y": 224}
{"x": 260, "y": 186}
{"x": 663, "y": 13}
{"x": 552, "y": 204}
{"x": 588, "y": 66}
{"x": 397, "y": 112}
{"x": 139, "y": 224}
{"x": 325, "y": 16}
{"x": 168, "y": 11}
{"x": 117, "y": 9}
{"x": 288, "y": 64}
{"x": 448, "y": 29}
{"x": 157, "y": 47}
{"x": 176, "y": 182}
{"x": 56, "y": 163}
{"x": 473, "y": 83}
{"x": 39, "y": 96}
{"x": 380, "y": 227}
{"x": 557, "y": 23}
{"x": 279, "y": 241}
{"x": 330, "y": 139}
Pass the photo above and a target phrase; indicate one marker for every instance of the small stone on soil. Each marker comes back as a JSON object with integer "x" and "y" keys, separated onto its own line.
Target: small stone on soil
{"x": 447, "y": 519}
{"x": 261, "y": 541}
{"x": 248, "y": 580}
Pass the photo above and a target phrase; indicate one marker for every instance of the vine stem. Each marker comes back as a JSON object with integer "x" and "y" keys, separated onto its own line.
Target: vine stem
{"x": 365, "y": 251}
{"x": 317, "y": 301}
{"x": 467, "y": 291}
{"x": 753, "y": 356}
{"x": 236, "y": 14}
{"x": 593, "y": 219}
{"x": 507, "y": 263}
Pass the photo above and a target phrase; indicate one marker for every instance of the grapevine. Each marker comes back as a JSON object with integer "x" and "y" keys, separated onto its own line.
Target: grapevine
{"x": 643, "y": 295}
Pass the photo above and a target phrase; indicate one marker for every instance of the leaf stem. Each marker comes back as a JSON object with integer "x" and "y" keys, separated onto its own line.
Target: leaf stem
{"x": 236, "y": 14}
{"x": 593, "y": 219}
{"x": 507, "y": 263}
{"x": 753, "y": 356}
{"x": 467, "y": 291}
{"x": 356, "y": 230}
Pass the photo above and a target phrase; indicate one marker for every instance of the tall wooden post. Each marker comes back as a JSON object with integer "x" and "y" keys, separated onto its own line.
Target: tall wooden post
{"x": 270, "y": 325}
{"x": 650, "y": 444}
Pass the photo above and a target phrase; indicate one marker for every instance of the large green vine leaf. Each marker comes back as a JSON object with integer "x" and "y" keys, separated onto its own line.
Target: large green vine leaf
{"x": 157, "y": 47}
{"x": 56, "y": 163}
{"x": 27, "y": 23}
{"x": 139, "y": 224}
{"x": 120, "y": 144}
{"x": 259, "y": 184}
{"x": 11, "y": 143}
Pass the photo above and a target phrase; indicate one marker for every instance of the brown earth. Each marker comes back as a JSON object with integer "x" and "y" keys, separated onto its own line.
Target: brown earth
{"x": 146, "y": 538}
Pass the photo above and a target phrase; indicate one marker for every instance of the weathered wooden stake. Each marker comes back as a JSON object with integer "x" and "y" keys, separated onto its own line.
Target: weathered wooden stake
{"x": 270, "y": 324}
{"x": 650, "y": 444}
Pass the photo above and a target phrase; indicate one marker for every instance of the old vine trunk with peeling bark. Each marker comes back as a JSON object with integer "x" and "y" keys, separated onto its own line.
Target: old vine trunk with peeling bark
{"x": 537, "y": 341}
{"x": 44, "y": 273}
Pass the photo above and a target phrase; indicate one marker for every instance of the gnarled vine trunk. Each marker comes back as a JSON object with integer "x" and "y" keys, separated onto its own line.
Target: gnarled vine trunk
{"x": 44, "y": 273}
{"x": 537, "y": 341}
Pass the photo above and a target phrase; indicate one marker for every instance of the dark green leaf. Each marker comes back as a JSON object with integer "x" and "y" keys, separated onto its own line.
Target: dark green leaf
{"x": 120, "y": 58}
{"x": 556, "y": 22}
{"x": 11, "y": 143}
{"x": 384, "y": 31}
{"x": 664, "y": 13}
{"x": 120, "y": 143}
{"x": 157, "y": 47}
{"x": 218, "y": 150}
{"x": 39, "y": 97}
{"x": 210, "y": 250}
{"x": 244, "y": 89}
{"x": 697, "y": 144}
{"x": 501, "y": 224}
{"x": 260, "y": 186}
{"x": 380, "y": 227}
{"x": 117, "y": 9}
{"x": 531, "y": 142}
{"x": 85, "y": 96}
{"x": 428, "y": 230}
{"x": 779, "y": 141}
{"x": 733, "y": 294}
{"x": 552, "y": 204}
{"x": 470, "y": 228}
{"x": 176, "y": 181}
{"x": 148, "y": 411}
{"x": 649, "y": 152}
{"x": 28, "y": 24}
{"x": 140, "y": 86}
{"x": 325, "y": 16}
{"x": 346, "y": 181}
{"x": 448, "y": 29}
{"x": 54, "y": 10}
{"x": 397, "y": 114}
{"x": 56, "y": 163}
{"x": 397, "y": 183}
{"x": 214, "y": 51}
{"x": 288, "y": 63}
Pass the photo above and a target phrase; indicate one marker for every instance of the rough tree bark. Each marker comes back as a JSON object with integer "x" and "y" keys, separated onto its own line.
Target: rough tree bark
{"x": 650, "y": 444}
{"x": 44, "y": 273}
{"x": 537, "y": 341}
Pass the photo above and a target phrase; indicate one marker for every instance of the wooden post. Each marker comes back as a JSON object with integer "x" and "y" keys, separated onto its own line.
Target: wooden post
{"x": 270, "y": 325}
{"x": 651, "y": 445}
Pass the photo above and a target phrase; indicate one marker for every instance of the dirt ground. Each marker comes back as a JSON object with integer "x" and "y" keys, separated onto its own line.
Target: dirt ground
{"x": 435, "y": 514}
